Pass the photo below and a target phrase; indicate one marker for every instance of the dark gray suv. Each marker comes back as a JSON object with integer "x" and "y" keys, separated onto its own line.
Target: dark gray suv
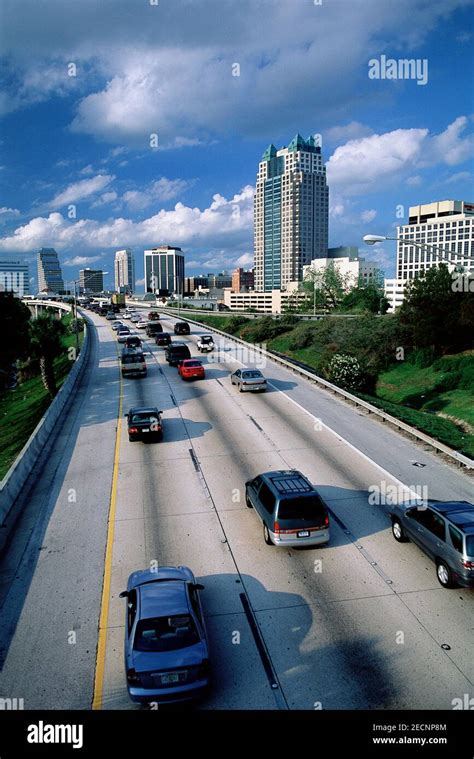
{"x": 291, "y": 509}
{"x": 445, "y": 532}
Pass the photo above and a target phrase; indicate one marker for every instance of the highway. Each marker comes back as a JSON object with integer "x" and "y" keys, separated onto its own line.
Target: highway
{"x": 360, "y": 624}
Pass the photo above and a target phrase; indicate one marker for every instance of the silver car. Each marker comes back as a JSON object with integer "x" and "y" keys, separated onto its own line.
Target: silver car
{"x": 248, "y": 380}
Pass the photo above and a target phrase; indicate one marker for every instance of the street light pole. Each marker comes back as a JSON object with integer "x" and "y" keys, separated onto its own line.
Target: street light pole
{"x": 75, "y": 320}
{"x": 432, "y": 249}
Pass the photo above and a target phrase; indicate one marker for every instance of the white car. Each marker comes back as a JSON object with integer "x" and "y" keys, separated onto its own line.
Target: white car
{"x": 141, "y": 324}
{"x": 205, "y": 344}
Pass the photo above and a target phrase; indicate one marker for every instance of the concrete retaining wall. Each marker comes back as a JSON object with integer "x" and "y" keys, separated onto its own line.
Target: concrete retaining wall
{"x": 41, "y": 439}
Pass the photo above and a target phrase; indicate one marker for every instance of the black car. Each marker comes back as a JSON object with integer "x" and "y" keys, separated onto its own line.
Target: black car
{"x": 163, "y": 339}
{"x": 181, "y": 328}
{"x": 144, "y": 422}
{"x": 133, "y": 341}
{"x": 152, "y": 328}
{"x": 176, "y": 352}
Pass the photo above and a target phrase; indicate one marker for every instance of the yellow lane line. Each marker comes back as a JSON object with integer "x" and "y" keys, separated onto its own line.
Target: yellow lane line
{"x": 104, "y": 610}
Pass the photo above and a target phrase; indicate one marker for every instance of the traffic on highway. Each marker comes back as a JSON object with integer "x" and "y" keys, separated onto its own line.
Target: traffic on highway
{"x": 189, "y": 543}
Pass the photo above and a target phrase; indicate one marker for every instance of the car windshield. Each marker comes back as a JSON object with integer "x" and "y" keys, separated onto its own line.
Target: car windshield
{"x": 308, "y": 508}
{"x": 165, "y": 633}
{"x": 192, "y": 363}
{"x": 144, "y": 416}
{"x": 470, "y": 545}
{"x": 254, "y": 374}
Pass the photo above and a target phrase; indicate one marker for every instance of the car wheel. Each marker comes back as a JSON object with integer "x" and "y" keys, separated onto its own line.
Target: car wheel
{"x": 240, "y": 389}
{"x": 131, "y": 438}
{"x": 444, "y": 574}
{"x": 266, "y": 536}
{"x": 248, "y": 501}
{"x": 398, "y": 532}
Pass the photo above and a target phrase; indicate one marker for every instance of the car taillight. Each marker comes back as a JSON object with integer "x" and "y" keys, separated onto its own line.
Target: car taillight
{"x": 326, "y": 521}
{"x": 132, "y": 677}
{"x": 468, "y": 564}
{"x": 133, "y": 429}
{"x": 276, "y": 528}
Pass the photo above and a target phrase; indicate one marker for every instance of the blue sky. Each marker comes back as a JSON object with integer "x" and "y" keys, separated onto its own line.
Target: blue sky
{"x": 78, "y": 172}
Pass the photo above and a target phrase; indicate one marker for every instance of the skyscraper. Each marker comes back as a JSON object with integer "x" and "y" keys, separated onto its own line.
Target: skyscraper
{"x": 164, "y": 270}
{"x": 50, "y": 278}
{"x": 290, "y": 213}
{"x": 14, "y": 277}
{"x": 91, "y": 280}
{"x": 124, "y": 267}
{"x": 445, "y": 227}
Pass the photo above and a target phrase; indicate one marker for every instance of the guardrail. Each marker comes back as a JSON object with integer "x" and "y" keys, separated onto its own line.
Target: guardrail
{"x": 16, "y": 477}
{"x": 246, "y": 314}
{"x": 460, "y": 459}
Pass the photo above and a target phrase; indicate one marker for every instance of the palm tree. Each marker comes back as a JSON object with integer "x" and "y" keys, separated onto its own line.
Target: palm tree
{"x": 46, "y": 344}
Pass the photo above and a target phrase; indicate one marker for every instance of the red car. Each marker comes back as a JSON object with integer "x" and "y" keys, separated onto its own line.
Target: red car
{"x": 190, "y": 368}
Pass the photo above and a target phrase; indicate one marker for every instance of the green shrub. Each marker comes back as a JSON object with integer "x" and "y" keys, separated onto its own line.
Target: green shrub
{"x": 449, "y": 381}
{"x": 345, "y": 371}
{"x": 422, "y": 357}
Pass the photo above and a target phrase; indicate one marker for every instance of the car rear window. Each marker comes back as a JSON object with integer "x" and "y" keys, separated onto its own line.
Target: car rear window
{"x": 165, "y": 634}
{"x": 193, "y": 363}
{"x": 206, "y": 339}
{"x": 151, "y": 418}
{"x": 251, "y": 375}
{"x": 133, "y": 358}
{"x": 309, "y": 508}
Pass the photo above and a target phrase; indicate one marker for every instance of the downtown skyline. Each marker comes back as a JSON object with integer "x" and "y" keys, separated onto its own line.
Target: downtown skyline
{"x": 78, "y": 170}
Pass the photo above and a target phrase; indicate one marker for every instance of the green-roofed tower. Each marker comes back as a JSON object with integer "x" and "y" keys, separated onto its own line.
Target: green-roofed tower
{"x": 290, "y": 212}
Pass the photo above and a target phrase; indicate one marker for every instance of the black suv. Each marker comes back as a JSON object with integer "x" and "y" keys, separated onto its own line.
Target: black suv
{"x": 445, "y": 532}
{"x": 152, "y": 328}
{"x": 163, "y": 339}
{"x": 176, "y": 352}
{"x": 181, "y": 328}
{"x": 291, "y": 509}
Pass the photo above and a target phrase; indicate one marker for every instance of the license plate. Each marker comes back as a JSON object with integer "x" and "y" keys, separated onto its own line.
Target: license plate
{"x": 303, "y": 534}
{"x": 145, "y": 429}
{"x": 173, "y": 677}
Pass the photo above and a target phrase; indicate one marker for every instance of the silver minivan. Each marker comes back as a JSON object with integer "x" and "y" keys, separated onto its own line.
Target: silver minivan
{"x": 291, "y": 509}
{"x": 445, "y": 532}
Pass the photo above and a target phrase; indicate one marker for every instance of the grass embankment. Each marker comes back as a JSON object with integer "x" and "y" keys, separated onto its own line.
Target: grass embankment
{"x": 23, "y": 407}
{"x": 437, "y": 399}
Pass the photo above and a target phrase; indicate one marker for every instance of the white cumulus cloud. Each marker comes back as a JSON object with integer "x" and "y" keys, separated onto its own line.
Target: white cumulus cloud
{"x": 85, "y": 188}
{"x": 225, "y": 222}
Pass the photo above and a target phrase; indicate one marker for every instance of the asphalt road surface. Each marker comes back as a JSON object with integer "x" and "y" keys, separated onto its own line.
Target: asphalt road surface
{"x": 360, "y": 624}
